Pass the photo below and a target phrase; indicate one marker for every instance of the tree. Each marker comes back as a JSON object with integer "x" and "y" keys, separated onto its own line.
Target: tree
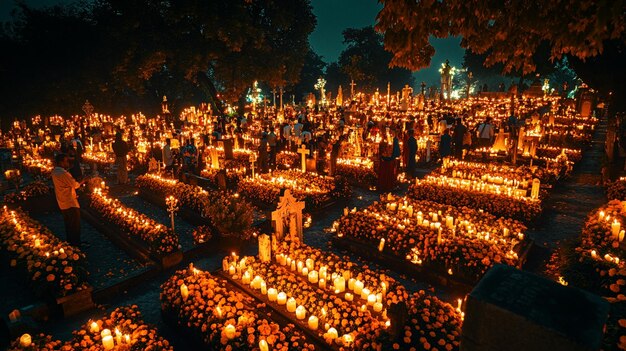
{"x": 365, "y": 61}
{"x": 312, "y": 70}
{"x": 510, "y": 32}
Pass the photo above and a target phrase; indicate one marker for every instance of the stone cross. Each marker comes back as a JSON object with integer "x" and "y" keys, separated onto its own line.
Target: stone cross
{"x": 304, "y": 152}
{"x": 289, "y": 212}
{"x": 253, "y": 163}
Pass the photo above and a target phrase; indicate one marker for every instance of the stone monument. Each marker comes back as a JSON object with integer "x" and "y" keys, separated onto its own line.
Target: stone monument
{"x": 515, "y": 310}
{"x": 287, "y": 218}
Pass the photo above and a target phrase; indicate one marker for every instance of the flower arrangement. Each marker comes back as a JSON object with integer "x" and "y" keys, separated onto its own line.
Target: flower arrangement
{"x": 288, "y": 159}
{"x": 235, "y": 171}
{"x": 617, "y": 190}
{"x": 500, "y": 204}
{"x": 442, "y": 238}
{"x": 41, "y": 167}
{"x": 54, "y": 267}
{"x": 202, "y": 234}
{"x": 493, "y": 173}
{"x": 32, "y": 190}
{"x": 360, "y": 171}
{"x": 160, "y": 239}
{"x": 228, "y": 213}
{"x": 223, "y": 318}
{"x": 596, "y": 261}
{"x": 315, "y": 190}
{"x": 123, "y": 329}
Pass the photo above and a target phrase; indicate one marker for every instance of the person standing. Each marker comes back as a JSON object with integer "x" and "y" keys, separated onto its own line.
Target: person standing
{"x": 168, "y": 157}
{"x": 65, "y": 192}
{"x": 459, "y": 137}
{"x": 485, "y": 136}
{"x": 412, "y": 153}
{"x": 271, "y": 141}
{"x": 120, "y": 148}
{"x": 445, "y": 145}
{"x": 263, "y": 156}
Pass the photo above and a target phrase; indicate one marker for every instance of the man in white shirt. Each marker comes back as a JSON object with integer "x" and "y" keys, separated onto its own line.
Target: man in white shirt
{"x": 65, "y": 191}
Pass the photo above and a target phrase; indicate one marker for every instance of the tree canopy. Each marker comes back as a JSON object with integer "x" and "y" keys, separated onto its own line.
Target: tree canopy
{"x": 365, "y": 61}
{"x": 120, "y": 53}
{"x": 511, "y": 32}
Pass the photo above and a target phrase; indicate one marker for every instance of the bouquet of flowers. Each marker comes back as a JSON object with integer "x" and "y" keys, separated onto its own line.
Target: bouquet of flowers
{"x": 54, "y": 267}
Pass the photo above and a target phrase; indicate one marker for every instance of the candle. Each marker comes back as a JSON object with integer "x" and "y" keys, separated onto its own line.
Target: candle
{"x": 272, "y": 294}
{"x": 94, "y": 327}
{"x": 105, "y": 332}
{"x": 184, "y": 292}
{"x": 300, "y": 266}
{"x": 263, "y": 346}
{"x": 108, "y": 343}
{"x": 340, "y": 284}
{"x": 263, "y": 287}
{"x": 127, "y": 338}
{"x": 118, "y": 336}
{"x": 449, "y": 222}
{"x": 37, "y": 242}
{"x": 349, "y": 297}
{"x": 378, "y": 307}
{"x": 313, "y": 323}
{"x": 384, "y": 286}
{"x": 231, "y": 270}
{"x": 246, "y": 278}
{"x": 229, "y": 331}
{"x": 358, "y": 287}
{"x": 332, "y": 333}
{"x": 615, "y": 227}
{"x": 291, "y": 305}
{"x": 25, "y": 340}
{"x": 365, "y": 293}
{"x": 300, "y": 312}
{"x": 282, "y": 298}
{"x": 305, "y": 271}
{"x": 351, "y": 283}
{"x": 313, "y": 277}
{"x": 371, "y": 299}
{"x": 310, "y": 264}
{"x": 322, "y": 283}
{"x": 381, "y": 245}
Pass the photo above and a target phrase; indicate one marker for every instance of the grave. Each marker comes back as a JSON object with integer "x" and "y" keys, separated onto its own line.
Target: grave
{"x": 288, "y": 216}
{"x": 515, "y": 310}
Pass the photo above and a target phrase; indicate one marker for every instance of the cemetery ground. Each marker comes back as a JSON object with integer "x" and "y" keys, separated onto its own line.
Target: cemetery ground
{"x": 120, "y": 278}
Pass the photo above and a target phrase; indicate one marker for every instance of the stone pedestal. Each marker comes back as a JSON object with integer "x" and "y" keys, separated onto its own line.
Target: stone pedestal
{"x": 513, "y": 310}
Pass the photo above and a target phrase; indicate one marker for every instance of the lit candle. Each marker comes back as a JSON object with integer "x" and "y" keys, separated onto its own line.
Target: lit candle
{"x": 246, "y": 278}
{"x": 118, "y": 336}
{"x": 263, "y": 346}
{"x": 300, "y": 266}
{"x": 37, "y": 243}
{"x": 371, "y": 299}
{"x": 332, "y": 333}
{"x": 108, "y": 343}
{"x": 349, "y": 297}
{"x": 105, "y": 332}
{"x": 449, "y": 222}
{"x": 313, "y": 323}
{"x": 127, "y": 338}
{"x": 340, "y": 284}
{"x": 25, "y": 340}
{"x": 358, "y": 287}
{"x": 231, "y": 270}
{"x": 229, "y": 331}
{"x": 365, "y": 293}
{"x": 378, "y": 307}
{"x": 263, "y": 287}
{"x": 94, "y": 327}
{"x": 305, "y": 271}
{"x": 282, "y": 298}
{"x": 615, "y": 227}
{"x": 184, "y": 292}
{"x": 300, "y": 312}
{"x": 322, "y": 283}
{"x": 313, "y": 277}
{"x": 381, "y": 245}
{"x": 272, "y": 294}
{"x": 291, "y": 305}
{"x": 310, "y": 264}
{"x": 351, "y": 283}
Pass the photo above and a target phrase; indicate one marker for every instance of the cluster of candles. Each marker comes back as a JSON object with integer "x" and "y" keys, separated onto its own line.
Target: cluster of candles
{"x": 477, "y": 185}
{"x": 108, "y": 340}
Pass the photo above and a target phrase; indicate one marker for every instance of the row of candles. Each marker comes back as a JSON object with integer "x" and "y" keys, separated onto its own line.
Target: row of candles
{"x": 482, "y": 186}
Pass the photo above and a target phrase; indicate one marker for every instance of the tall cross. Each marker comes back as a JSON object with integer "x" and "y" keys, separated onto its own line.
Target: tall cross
{"x": 352, "y": 84}
{"x": 304, "y": 152}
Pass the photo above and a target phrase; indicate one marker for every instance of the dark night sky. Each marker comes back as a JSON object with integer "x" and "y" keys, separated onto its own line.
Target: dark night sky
{"x": 333, "y": 16}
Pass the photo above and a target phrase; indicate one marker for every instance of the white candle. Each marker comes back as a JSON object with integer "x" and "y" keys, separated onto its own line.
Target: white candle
{"x": 378, "y": 307}
{"x": 305, "y": 271}
{"x": 263, "y": 346}
{"x": 263, "y": 287}
{"x": 322, "y": 283}
{"x": 332, "y": 333}
{"x": 231, "y": 270}
{"x": 313, "y": 277}
{"x": 229, "y": 331}
{"x": 310, "y": 264}
{"x": 371, "y": 299}
{"x": 349, "y": 297}
{"x": 615, "y": 227}
{"x": 313, "y": 323}
{"x": 381, "y": 245}
{"x": 351, "y": 283}
{"x": 300, "y": 266}
{"x": 108, "y": 343}
{"x": 340, "y": 284}
{"x": 272, "y": 294}
{"x": 281, "y": 298}
{"x": 246, "y": 278}
{"x": 358, "y": 287}
{"x": 365, "y": 293}
{"x": 184, "y": 292}
{"x": 105, "y": 332}
{"x": 25, "y": 340}
{"x": 94, "y": 327}
{"x": 300, "y": 312}
{"x": 291, "y": 305}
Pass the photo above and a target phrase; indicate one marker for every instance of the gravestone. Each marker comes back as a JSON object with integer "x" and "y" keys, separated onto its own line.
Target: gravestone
{"x": 265, "y": 250}
{"x": 514, "y": 310}
{"x": 500, "y": 143}
{"x": 215, "y": 161}
{"x": 304, "y": 152}
{"x": 227, "y": 144}
{"x": 287, "y": 218}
